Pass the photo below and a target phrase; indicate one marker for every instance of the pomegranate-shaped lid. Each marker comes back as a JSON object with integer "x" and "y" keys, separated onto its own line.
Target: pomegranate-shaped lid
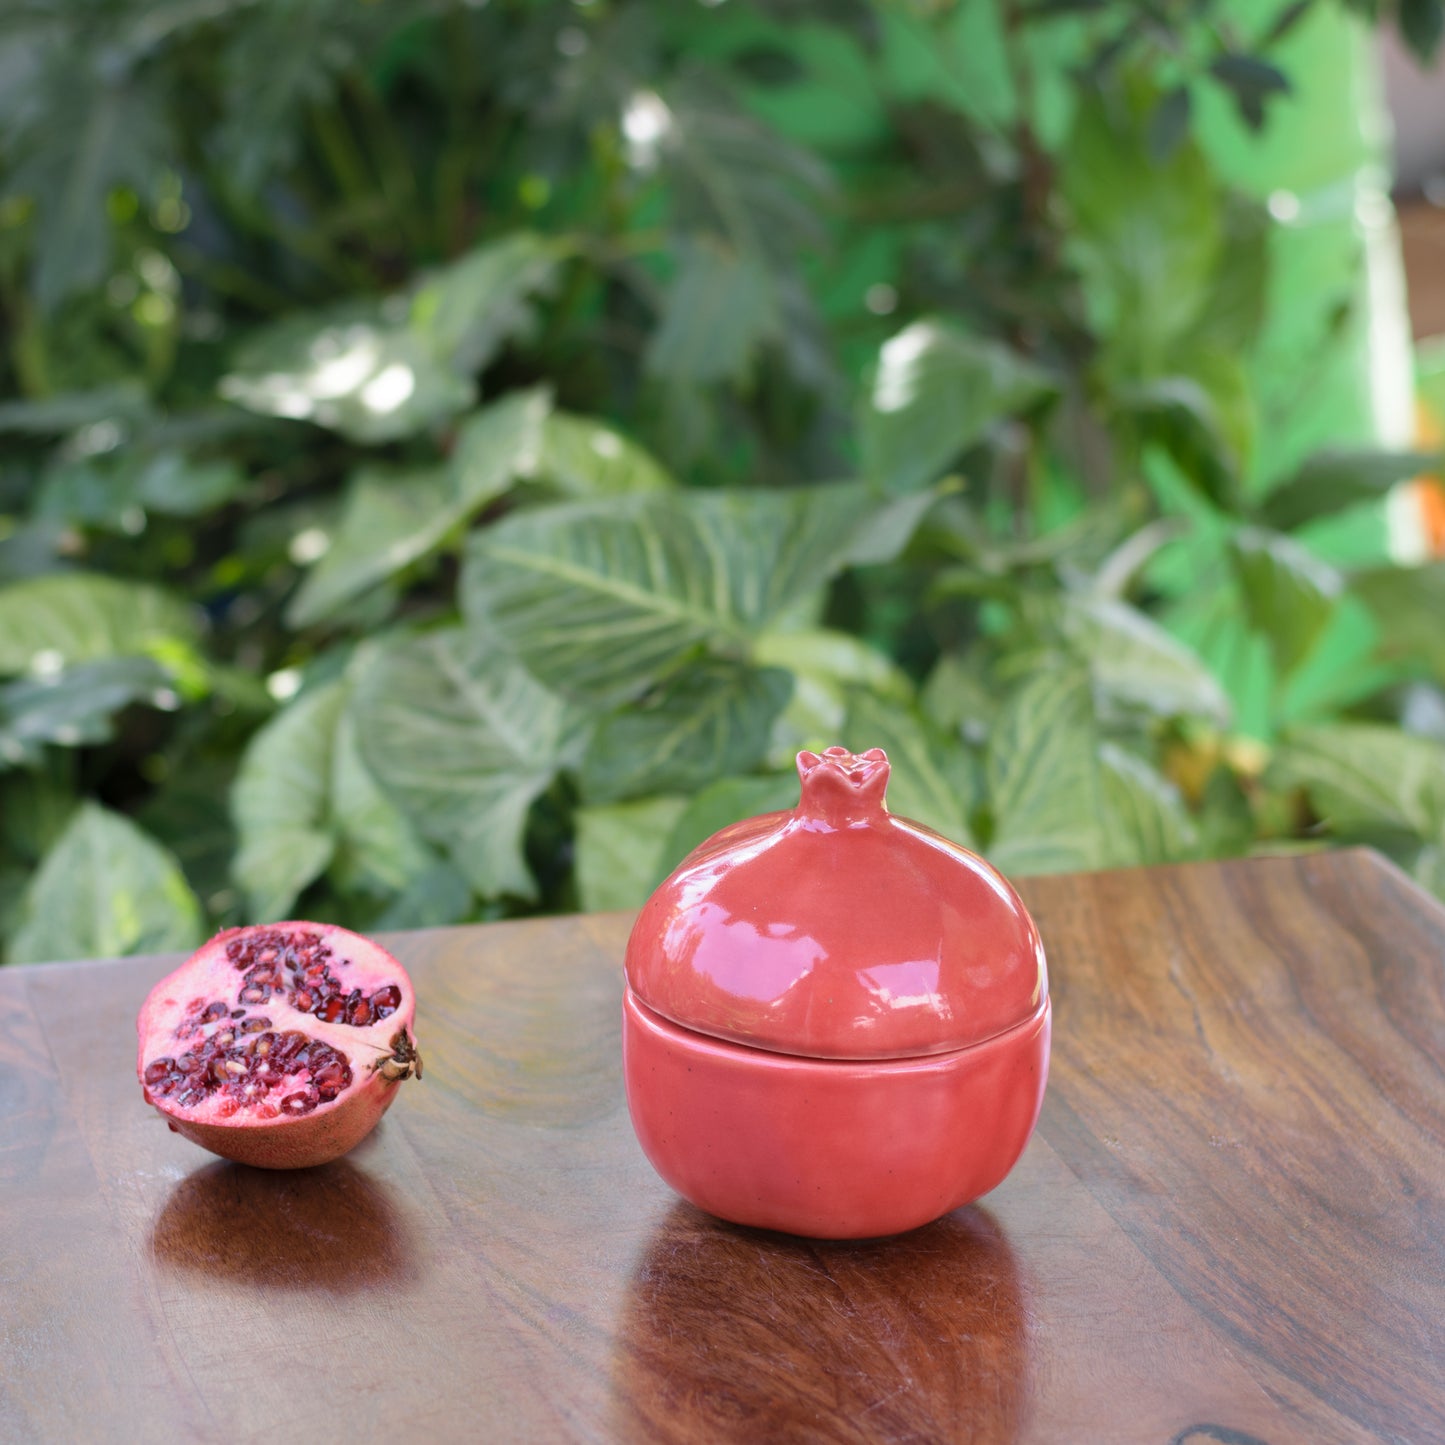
{"x": 838, "y": 930}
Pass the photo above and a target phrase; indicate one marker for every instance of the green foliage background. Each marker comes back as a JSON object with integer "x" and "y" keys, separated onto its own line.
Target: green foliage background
{"x": 454, "y": 456}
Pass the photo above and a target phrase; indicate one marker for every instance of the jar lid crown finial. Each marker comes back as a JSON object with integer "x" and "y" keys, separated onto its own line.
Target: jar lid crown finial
{"x": 842, "y": 787}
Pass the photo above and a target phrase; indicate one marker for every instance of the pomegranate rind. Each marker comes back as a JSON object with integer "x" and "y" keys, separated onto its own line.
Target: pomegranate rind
{"x": 380, "y": 1054}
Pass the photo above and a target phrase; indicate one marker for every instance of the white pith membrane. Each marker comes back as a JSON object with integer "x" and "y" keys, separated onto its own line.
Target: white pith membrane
{"x": 254, "y": 1027}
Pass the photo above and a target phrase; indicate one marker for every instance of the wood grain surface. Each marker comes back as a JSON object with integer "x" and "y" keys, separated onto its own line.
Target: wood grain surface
{"x": 1229, "y": 1227}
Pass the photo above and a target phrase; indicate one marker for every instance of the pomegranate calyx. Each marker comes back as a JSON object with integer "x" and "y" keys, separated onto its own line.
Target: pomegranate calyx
{"x": 402, "y": 1062}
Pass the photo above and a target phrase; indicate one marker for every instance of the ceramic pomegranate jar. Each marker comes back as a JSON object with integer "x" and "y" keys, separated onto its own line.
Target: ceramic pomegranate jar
{"x": 836, "y": 1021}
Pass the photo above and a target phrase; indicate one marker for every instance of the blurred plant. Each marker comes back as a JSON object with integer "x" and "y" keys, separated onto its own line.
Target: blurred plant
{"x": 457, "y": 455}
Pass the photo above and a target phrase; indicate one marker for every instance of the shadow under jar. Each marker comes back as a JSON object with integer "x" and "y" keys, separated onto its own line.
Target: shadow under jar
{"x": 836, "y": 1021}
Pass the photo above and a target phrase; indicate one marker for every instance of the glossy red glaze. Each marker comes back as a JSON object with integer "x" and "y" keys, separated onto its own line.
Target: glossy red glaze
{"x": 837, "y": 1021}
{"x": 838, "y": 930}
{"x": 829, "y": 1148}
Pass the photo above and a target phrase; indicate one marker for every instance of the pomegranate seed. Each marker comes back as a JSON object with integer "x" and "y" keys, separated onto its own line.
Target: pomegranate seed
{"x": 304, "y": 1002}
{"x": 331, "y": 1081}
{"x": 238, "y": 1013}
{"x": 385, "y": 1001}
{"x": 253, "y": 993}
{"x": 300, "y": 1103}
{"x": 332, "y": 1010}
{"x": 360, "y": 1014}
{"x": 214, "y": 1011}
{"x": 157, "y": 1069}
{"x": 186, "y": 1062}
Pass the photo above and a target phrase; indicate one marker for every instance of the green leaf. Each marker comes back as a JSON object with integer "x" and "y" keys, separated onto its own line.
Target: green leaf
{"x": 13, "y": 883}
{"x": 70, "y": 617}
{"x": 94, "y": 127}
{"x": 89, "y": 492}
{"x": 378, "y": 371}
{"x": 729, "y": 174}
{"x": 1286, "y": 20}
{"x": 707, "y": 720}
{"x": 1331, "y": 481}
{"x": 182, "y": 486}
{"x": 1367, "y": 778}
{"x": 1252, "y": 82}
{"x": 1422, "y": 23}
{"x": 392, "y": 519}
{"x": 463, "y": 740}
{"x": 936, "y": 392}
{"x": 389, "y": 520}
{"x": 718, "y": 310}
{"x": 1169, "y": 124}
{"x": 890, "y": 529}
{"x": 115, "y": 490}
{"x": 1203, "y": 429}
{"x": 825, "y": 664}
{"x": 281, "y": 803}
{"x": 1144, "y": 235}
{"x": 496, "y": 446}
{"x": 71, "y": 410}
{"x": 465, "y": 311}
{"x": 1240, "y": 286}
{"x": 305, "y": 804}
{"x": 1136, "y": 663}
{"x": 1289, "y": 594}
{"x": 930, "y": 777}
{"x": 36, "y": 805}
{"x": 378, "y": 849}
{"x": 1408, "y": 604}
{"x": 959, "y": 696}
{"x": 190, "y": 813}
{"x": 1043, "y": 778}
{"x": 74, "y": 707}
{"x": 1052, "y": 9}
{"x": 600, "y": 600}
{"x": 276, "y": 70}
{"x": 105, "y": 889}
{"x": 1145, "y": 819}
{"x": 435, "y": 898}
{"x": 840, "y": 657}
{"x": 1428, "y": 869}
{"x": 352, "y": 369}
{"x": 620, "y": 850}
{"x": 588, "y": 458}
{"x": 728, "y": 800}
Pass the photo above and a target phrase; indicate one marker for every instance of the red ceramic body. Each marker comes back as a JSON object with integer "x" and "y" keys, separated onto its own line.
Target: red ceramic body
{"x": 836, "y": 1021}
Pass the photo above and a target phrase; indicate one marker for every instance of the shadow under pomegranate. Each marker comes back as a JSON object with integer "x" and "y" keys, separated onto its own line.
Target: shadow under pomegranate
{"x": 729, "y": 1333}
{"x": 330, "y": 1228}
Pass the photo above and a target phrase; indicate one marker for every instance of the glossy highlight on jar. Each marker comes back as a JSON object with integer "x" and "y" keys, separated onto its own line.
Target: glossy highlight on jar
{"x": 836, "y": 1021}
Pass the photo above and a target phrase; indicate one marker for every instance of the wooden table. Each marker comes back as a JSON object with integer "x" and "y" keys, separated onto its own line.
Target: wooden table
{"x": 1229, "y": 1227}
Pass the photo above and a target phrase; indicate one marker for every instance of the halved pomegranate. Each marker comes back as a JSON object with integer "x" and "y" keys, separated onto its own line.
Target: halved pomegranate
{"x": 279, "y": 1046}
